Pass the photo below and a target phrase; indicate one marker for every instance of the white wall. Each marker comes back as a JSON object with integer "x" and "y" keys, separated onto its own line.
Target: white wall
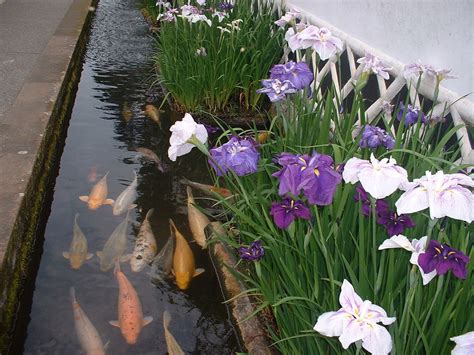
{"x": 438, "y": 32}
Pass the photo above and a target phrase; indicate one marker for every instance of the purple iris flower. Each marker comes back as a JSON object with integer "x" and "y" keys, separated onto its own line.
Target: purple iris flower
{"x": 362, "y": 196}
{"x": 285, "y": 212}
{"x": 373, "y": 136}
{"x": 276, "y": 89}
{"x": 412, "y": 115}
{"x": 315, "y": 175}
{"x": 225, "y": 6}
{"x": 298, "y": 74}
{"x": 239, "y": 155}
{"x": 252, "y": 253}
{"x": 442, "y": 258}
{"x": 210, "y": 129}
{"x": 394, "y": 223}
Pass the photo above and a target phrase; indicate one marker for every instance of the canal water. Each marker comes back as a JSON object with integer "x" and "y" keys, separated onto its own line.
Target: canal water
{"x": 117, "y": 72}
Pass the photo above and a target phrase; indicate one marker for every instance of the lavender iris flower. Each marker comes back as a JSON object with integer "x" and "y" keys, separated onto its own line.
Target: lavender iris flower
{"x": 285, "y": 212}
{"x": 442, "y": 258}
{"x": 252, "y": 253}
{"x": 413, "y": 114}
{"x": 314, "y": 175}
{"x": 372, "y": 137}
{"x": 276, "y": 89}
{"x": 298, "y": 74}
{"x": 239, "y": 155}
{"x": 393, "y": 223}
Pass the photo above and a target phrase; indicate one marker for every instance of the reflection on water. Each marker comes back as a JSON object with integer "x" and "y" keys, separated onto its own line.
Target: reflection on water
{"x": 99, "y": 141}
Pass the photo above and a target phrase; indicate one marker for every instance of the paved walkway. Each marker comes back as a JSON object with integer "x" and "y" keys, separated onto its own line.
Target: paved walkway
{"x": 26, "y": 27}
{"x": 37, "y": 43}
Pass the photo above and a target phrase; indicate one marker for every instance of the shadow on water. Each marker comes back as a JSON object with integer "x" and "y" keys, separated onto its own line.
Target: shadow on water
{"x": 116, "y": 71}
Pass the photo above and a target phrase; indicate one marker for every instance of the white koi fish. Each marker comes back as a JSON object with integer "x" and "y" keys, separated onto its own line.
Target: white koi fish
{"x": 78, "y": 250}
{"x": 114, "y": 246}
{"x": 125, "y": 200}
{"x": 130, "y": 314}
{"x": 145, "y": 246}
{"x": 171, "y": 343}
{"x": 88, "y": 336}
{"x": 197, "y": 220}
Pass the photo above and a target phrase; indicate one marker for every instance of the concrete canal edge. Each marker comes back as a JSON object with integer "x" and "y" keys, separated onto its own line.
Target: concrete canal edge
{"x": 31, "y": 142}
{"x": 251, "y": 329}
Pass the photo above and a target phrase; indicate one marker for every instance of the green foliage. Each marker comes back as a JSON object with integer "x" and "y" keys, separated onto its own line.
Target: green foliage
{"x": 300, "y": 275}
{"x": 239, "y": 53}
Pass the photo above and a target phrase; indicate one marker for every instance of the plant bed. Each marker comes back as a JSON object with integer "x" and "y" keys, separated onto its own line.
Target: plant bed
{"x": 338, "y": 183}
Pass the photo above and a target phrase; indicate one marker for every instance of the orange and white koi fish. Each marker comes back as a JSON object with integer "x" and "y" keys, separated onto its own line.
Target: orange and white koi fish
{"x": 197, "y": 220}
{"x": 171, "y": 343}
{"x": 78, "y": 250}
{"x": 145, "y": 246}
{"x": 98, "y": 195}
{"x": 88, "y": 336}
{"x": 209, "y": 190}
{"x": 130, "y": 315}
{"x": 184, "y": 266}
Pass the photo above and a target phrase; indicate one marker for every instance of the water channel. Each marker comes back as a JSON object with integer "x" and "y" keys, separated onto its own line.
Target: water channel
{"x": 117, "y": 72}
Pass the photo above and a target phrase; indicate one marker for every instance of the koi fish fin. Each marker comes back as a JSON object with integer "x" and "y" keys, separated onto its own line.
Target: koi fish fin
{"x": 99, "y": 254}
{"x": 125, "y": 258}
{"x": 114, "y": 323}
{"x": 132, "y": 206}
{"x": 84, "y": 198}
{"x": 147, "y": 320}
{"x": 198, "y": 272}
{"x": 109, "y": 201}
{"x": 89, "y": 256}
{"x": 106, "y": 345}
{"x": 66, "y": 254}
{"x": 172, "y": 271}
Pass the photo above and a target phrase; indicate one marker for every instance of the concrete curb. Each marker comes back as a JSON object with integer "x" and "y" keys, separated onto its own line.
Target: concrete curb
{"x": 252, "y": 330}
{"x": 31, "y": 142}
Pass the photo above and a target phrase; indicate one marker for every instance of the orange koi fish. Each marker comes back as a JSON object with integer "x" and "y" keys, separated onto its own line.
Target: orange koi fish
{"x": 98, "y": 195}
{"x": 130, "y": 315}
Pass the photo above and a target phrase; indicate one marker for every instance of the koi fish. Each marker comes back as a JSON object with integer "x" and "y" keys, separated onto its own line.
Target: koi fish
{"x": 197, "y": 220}
{"x": 145, "y": 246}
{"x": 130, "y": 315}
{"x": 153, "y": 113}
{"x": 98, "y": 195}
{"x": 150, "y": 155}
{"x": 88, "y": 336}
{"x": 209, "y": 190}
{"x": 78, "y": 250}
{"x": 184, "y": 267}
{"x": 127, "y": 114}
{"x": 114, "y": 246}
{"x": 171, "y": 343}
{"x": 163, "y": 262}
{"x": 125, "y": 200}
{"x": 92, "y": 176}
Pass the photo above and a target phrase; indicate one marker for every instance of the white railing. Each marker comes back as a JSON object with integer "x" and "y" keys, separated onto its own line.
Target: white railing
{"x": 445, "y": 101}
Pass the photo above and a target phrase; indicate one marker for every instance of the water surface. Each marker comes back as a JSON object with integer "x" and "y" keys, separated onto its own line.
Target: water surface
{"x": 116, "y": 70}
